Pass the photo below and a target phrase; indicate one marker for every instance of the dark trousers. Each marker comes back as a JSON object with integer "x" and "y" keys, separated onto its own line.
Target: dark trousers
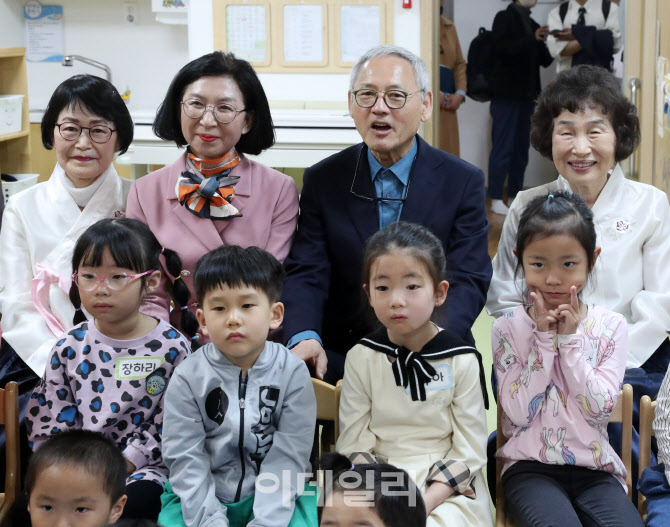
{"x": 12, "y": 368}
{"x": 657, "y": 490}
{"x": 538, "y": 494}
{"x": 335, "y": 370}
{"x": 510, "y": 137}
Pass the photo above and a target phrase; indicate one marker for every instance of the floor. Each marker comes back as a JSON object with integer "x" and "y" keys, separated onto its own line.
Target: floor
{"x": 482, "y": 328}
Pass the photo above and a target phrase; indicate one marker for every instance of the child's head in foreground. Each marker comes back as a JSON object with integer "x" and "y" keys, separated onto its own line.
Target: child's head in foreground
{"x": 556, "y": 246}
{"x": 404, "y": 277}
{"x": 238, "y": 291}
{"x": 375, "y": 495}
{"x": 77, "y": 478}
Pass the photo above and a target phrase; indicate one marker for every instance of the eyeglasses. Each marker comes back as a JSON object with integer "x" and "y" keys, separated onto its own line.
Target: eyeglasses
{"x": 394, "y": 99}
{"x": 223, "y": 113}
{"x": 88, "y": 281}
{"x": 376, "y": 199}
{"x": 98, "y": 134}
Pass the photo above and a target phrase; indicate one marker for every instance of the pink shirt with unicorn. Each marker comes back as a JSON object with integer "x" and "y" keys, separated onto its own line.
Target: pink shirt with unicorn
{"x": 558, "y": 391}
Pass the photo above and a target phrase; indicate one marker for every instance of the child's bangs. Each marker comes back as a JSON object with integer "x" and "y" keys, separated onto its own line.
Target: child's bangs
{"x": 124, "y": 249}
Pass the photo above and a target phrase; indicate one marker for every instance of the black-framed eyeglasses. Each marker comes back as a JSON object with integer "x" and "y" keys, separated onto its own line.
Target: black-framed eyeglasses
{"x": 394, "y": 99}
{"x": 223, "y": 113}
{"x": 98, "y": 134}
{"x": 377, "y": 199}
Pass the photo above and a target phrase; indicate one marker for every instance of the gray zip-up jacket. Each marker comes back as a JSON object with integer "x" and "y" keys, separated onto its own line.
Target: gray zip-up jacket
{"x": 221, "y": 432}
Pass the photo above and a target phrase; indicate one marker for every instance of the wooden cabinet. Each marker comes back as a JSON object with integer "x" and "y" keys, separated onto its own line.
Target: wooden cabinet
{"x": 15, "y": 148}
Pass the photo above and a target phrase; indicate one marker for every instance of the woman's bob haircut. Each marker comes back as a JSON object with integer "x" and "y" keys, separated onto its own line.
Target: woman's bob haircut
{"x": 94, "y": 96}
{"x": 219, "y": 64}
{"x": 576, "y": 89}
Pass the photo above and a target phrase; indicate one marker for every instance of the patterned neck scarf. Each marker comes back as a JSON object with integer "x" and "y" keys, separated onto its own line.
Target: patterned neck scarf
{"x": 206, "y": 189}
{"x": 411, "y": 368}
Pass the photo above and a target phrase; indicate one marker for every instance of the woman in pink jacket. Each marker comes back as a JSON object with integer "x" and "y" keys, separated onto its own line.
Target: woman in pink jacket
{"x": 213, "y": 195}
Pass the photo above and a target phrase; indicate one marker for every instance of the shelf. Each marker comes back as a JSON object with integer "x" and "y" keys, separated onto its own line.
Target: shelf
{"x": 15, "y": 148}
{"x": 12, "y": 52}
{"x": 16, "y": 135}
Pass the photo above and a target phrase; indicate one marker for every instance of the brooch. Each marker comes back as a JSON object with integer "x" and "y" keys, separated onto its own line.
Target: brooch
{"x": 620, "y": 228}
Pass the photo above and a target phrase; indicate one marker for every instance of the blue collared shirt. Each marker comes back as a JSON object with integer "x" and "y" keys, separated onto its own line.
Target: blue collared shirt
{"x": 391, "y": 183}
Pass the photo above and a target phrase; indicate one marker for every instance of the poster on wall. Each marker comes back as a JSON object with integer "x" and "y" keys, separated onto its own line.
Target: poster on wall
{"x": 45, "y": 40}
{"x": 246, "y": 32}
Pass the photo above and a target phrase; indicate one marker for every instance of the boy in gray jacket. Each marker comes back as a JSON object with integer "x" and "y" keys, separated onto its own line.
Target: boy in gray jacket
{"x": 240, "y": 412}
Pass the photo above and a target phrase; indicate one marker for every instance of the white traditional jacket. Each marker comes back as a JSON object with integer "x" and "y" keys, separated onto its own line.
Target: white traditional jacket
{"x": 632, "y": 273}
{"x": 40, "y": 227}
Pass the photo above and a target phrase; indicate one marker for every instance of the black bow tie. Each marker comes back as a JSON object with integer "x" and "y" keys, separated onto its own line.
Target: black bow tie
{"x": 410, "y": 368}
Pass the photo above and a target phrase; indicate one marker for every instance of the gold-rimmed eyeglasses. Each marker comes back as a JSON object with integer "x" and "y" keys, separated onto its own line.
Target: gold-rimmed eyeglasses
{"x": 394, "y": 99}
{"x": 223, "y": 113}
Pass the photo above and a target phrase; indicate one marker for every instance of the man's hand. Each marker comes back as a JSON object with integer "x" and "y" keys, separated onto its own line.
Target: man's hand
{"x": 541, "y": 33}
{"x": 565, "y": 34}
{"x": 312, "y": 353}
{"x": 451, "y": 102}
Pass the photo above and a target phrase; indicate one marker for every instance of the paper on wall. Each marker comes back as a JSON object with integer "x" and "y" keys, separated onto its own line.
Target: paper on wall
{"x": 44, "y": 32}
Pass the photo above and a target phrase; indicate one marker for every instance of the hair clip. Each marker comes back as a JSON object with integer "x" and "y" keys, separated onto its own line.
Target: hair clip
{"x": 194, "y": 337}
{"x": 77, "y": 309}
{"x": 177, "y": 277}
{"x": 550, "y": 196}
{"x": 184, "y": 307}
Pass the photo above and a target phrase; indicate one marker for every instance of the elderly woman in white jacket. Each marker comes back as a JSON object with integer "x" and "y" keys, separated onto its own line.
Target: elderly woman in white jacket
{"x": 586, "y": 125}
{"x": 86, "y": 122}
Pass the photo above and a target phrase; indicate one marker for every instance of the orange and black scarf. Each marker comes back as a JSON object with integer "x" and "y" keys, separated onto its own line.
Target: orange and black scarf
{"x": 206, "y": 189}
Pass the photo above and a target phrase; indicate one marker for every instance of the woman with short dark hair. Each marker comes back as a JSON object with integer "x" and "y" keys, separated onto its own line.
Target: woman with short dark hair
{"x": 586, "y": 126}
{"x": 214, "y": 195}
{"x": 87, "y": 123}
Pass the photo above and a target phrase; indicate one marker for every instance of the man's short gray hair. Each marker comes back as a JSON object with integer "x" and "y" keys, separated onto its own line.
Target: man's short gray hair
{"x": 421, "y": 75}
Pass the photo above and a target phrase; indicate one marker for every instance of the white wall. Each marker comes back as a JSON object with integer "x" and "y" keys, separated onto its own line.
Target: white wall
{"x": 143, "y": 57}
{"x": 11, "y": 24}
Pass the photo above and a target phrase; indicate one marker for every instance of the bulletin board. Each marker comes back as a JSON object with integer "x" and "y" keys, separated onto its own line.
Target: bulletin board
{"x": 301, "y": 36}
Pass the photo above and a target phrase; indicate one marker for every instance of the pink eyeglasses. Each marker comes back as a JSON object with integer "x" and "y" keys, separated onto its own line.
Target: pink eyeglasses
{"x": 88, "y": 281}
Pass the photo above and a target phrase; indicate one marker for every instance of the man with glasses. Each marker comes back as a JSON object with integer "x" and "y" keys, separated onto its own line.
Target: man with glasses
{"x": 392, "y": 175}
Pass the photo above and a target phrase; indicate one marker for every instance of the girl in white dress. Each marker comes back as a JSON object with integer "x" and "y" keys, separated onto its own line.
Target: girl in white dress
{"x": 413, "y": 393}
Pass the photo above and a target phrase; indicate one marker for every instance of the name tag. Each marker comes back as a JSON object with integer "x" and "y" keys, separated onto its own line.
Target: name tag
{"x": 130, "y": 368}
{"x": 442, "y": 379}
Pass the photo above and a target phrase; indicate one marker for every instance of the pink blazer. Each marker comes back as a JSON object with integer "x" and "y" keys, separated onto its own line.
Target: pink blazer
{"x": 267, "y": 199}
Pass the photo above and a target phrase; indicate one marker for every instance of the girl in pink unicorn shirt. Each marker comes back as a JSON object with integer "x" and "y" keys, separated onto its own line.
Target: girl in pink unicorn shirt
{"x": 560, "y": 364}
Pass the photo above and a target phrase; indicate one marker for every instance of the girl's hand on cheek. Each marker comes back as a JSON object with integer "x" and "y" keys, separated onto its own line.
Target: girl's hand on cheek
{"x": 546, "y": 319}
{"x": 569, "y": 315}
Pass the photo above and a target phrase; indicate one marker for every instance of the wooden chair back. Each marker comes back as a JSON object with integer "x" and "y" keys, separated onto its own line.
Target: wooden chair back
{"x": 9, "y": 417}
{"x": 647, "y": 412}
{"x": 622, "y": 413}
{"x": 327, "y": 409}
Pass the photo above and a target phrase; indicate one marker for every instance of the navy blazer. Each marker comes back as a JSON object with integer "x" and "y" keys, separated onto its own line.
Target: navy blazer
{"x": 322, "y": 290}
